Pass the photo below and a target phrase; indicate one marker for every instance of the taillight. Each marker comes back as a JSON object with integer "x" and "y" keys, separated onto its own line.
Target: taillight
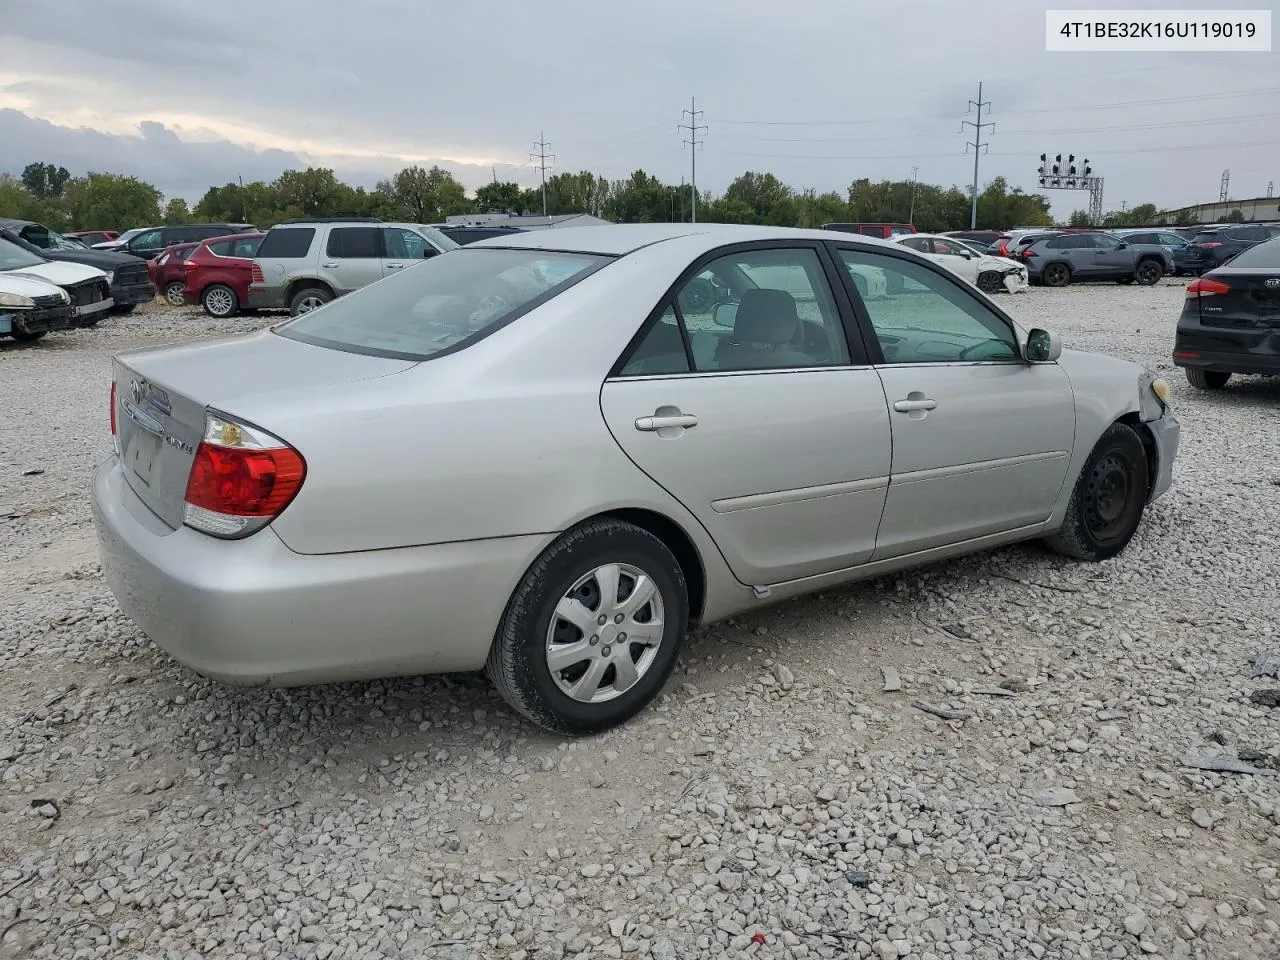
{"x": 1208, "y": 244}
{"x": 189, "y": 264}
{"x": 241, "y": 479}
{"x": 1027, "y": 252}
{"x": 255, "y": 274}
{"x": 1206, "y": 287}
{"x": 113, "y": 408}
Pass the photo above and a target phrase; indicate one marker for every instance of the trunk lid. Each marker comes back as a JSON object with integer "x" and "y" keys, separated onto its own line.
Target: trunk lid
{"x": 162, "y": 395}
{"x": 1252, "y": 303}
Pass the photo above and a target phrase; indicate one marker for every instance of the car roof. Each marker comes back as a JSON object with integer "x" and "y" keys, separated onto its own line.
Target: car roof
{"x": 11, "y": 222}
{"x": 618, "y": 239}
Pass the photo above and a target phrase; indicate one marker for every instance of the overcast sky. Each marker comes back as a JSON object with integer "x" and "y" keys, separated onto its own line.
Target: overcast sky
{"x": 819, "y": 92}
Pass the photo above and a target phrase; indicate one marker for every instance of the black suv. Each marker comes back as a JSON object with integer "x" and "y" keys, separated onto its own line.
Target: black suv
{"x": 130, "y": 282}
{"x": 1214, "y": 246}
{"x": 149, "y": 242}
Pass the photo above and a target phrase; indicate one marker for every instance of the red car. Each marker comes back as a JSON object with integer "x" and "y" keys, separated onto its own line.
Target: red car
{"x": 90, "y": 237}
{"x": 217, "y": 274}
{"x": 166, "y": 271}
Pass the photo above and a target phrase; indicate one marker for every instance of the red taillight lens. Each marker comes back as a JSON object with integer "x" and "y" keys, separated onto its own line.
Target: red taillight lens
{"x": 113, "y": 408}
{"x": 255, "y": 274}
{"x": 1028, "y": 253}
{"x": 1185, "y": 355}
{"x": 244, "y": 482}
{"x": 1211, "y": 243}
{"x": 1206, "y": 287}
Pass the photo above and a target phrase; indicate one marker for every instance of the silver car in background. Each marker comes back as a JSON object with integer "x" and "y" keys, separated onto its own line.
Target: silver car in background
{"x": 549, "y": 455}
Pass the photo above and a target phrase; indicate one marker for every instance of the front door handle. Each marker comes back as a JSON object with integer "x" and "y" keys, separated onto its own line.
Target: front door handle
{"x": 393, "y": 266}
{"x": 678, "y": 421}
{"x": 909, "y": 406}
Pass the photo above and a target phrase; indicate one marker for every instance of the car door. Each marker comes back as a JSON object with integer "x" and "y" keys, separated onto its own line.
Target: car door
{"x": 1113, "y": 258}
{"x": 981, "y": 438}
{"x": 352, "y": 258}
{"x": 403, "y": 248}
{"x": 957, "y": 258}
{"x": 746, "y": 399}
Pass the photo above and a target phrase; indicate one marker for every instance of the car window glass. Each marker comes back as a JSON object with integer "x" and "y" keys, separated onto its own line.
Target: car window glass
{"x": 147, "y": 240}
{"x": 287, "y": 243}
{"x": 948, "y": 249}
{"x": 221, "y": 247}
{"x": 661, "y": 351}
{"x": 924, "y": 317}
{"x": 182, "y": 253}
{"x": 1059, "y": 243}
{"x": 1265, "y": 256}
{"x": 405, "y": 244}
{"x": 1100, "y": 241}
{"x": 1251, "y": 233}
{"x": 354, "y": 243}
{"x": 245, "y": 246}
{"x": 871, "y": 231}
{"x": 762, "y": 309}
{"x": 14, "y": 257}
{"x": 916, "y": 243}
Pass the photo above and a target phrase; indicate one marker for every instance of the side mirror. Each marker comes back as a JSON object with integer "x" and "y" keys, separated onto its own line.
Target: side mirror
{"x": 724, "y": 314}
{"x": 1043, "y": 346}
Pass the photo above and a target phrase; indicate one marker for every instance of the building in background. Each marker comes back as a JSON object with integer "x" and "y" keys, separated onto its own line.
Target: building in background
{"x": 525, "y": 221}
{"x": 1256, "y": 210}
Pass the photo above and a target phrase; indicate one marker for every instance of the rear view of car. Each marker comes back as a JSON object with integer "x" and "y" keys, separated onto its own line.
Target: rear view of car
{"x": 167, "y": 274}
{"x": 1214, "y": 246}
{"x": 1230, "y": 322}
{"x": 218, "y": 272}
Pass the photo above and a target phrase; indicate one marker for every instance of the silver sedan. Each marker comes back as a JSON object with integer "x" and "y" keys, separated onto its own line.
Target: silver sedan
{"x": 549, "y": 456}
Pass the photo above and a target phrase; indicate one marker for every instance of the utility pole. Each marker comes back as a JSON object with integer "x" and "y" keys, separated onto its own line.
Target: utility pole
{"x": 1226, "y": 181}
{"x": 693, "y": 113}
{"x": 540, "y": 154}
{"x": 244, "y": 203}
{"x": 1271, "y": 186}
{"x": 915, "y": 175}
{"x": 977, "y": 145}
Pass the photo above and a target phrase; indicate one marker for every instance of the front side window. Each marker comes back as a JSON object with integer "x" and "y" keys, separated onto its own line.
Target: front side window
{"x": 446, "y": 301}
{"x": 14, "y": 257}
{"x": 355, "y": 243}
{"x": 147, "y": 240}
{"x": 928, "y": 318}
{"x": 1172, "y": 239}
{"x": 762, "y": 309}
{"x": 1100, "y": 241}
{"x": 948, "y": 248}
{"x": 404, "y": 244}
{"x": 916, "y": 243}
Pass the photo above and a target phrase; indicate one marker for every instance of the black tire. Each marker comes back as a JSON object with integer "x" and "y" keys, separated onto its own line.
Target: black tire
{"x": 27, "y": 336}
{"x": 517, "y": 662}
{"x": 989, "y": 281}
{"x": 220, "y": 301}
{"x": 1206, "y": 379}
{"x": 120, "y": 309}
{"x": 175, "y": 293}
{"x": 1056, "y": 275}
{"x": 1108, "y": 500}
{"x": 1148, "y": 272}
{"x": 308, "y": 299}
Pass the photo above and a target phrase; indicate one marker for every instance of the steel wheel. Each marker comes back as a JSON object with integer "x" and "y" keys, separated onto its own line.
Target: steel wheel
{"x": 990, "y": 282}
{"x": 175, "y": 294}
{"x": 219, "y": 301}
{"x": 1108, "y": 499}
{"x": 605, "y": 633}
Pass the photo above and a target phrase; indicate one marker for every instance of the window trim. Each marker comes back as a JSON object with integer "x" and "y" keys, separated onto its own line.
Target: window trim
{"x": 858, "y": 355}
{"x": 868, "y": 330}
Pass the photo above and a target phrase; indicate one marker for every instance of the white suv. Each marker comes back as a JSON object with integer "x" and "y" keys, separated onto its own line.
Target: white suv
{"x": 303, "y": 264}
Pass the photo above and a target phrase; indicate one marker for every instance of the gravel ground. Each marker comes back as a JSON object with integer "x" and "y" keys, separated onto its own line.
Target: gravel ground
{"x": 776, "y": 802}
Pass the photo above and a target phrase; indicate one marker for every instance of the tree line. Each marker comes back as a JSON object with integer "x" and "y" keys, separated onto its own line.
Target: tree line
{"x": 94, "y": 201}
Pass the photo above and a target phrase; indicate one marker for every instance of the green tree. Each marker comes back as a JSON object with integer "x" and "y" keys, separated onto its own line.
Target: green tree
{"x": 502, "y": 197}
{"x": 1235, "y": 216}
{"x": 45, "y": 181}
{"x": 575, "y": 193}
{"x": 100, "y": 201}
{"x": 1144, "y": 215}
{"x": 175, "y": 211}
{"x": 642, "y": 198}
{"x": 18, "y": 202}
{"x": 1078, "y": 218}
{"x": 315, "y": 191}
{"x": 424, "y": 196}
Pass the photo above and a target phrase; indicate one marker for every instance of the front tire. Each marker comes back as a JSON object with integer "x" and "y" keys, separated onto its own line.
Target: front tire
{"x": 1057, "y": 275}
{"x": 1207, "y": 379}
{"x": 592, "y": 631}
{"x": 220, "y": 301}
{"x": 1108, "y": 500}
{"x": 308, "y": 299}
{"x": 175, "y": 294}
{"x": 990, "y": 282}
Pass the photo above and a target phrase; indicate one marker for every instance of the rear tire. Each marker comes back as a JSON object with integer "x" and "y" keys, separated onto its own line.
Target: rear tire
{"x": 547, "y": 659}
{"x": 220, "y": 301}
{"x": 1057, "y": 275}
{"x": 1149, "y": 272}
{"x": 990, "y": 282}
{"x": 1108, "y": 500}
{"x": 308, "y": 299}
{"x": 175, "y": 294}
{"x": 1206, "y": 379}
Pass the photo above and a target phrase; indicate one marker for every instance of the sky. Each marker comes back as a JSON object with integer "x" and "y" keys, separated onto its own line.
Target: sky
{"x": 818, "y": 92}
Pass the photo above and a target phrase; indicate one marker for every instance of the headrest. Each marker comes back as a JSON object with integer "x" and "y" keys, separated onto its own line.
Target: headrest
{"x": 767, "y": 317}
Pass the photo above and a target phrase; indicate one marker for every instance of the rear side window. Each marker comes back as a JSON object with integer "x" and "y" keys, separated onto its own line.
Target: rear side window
{"x": 183, "y": 252}
{"x": 287, "y": 243}
{"x": 1265, "y": 256}
{"x": 221, "y": 247}
{"x": 245, "y": 246}
{"x": 1205, "y": 236}
{"x": 1249, "y": 234}
{"x": 447, "y": 302}
{"x": 1059, "y": 243}
{"x": 355, "y": 243}
{"x": 1140, "y": 238}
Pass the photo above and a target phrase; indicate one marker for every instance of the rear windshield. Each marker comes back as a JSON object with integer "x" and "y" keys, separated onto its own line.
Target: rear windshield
{"x": 1265, "y": 255}
{"x": 442, "y": 303}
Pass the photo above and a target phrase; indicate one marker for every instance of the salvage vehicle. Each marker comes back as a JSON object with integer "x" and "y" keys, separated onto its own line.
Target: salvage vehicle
{"x": 548, "y": 456}
{"x": 989, "y": 274}
{"x": 1230, "y": 322}
{"x": 31, "y": 307}
{"x": 1069, "y": 257}
{"x": 130, "y": 284}
{"x": 87, "y": 288}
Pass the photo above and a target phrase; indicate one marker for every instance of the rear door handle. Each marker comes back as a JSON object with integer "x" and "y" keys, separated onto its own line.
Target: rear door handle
{"x": 907, "y": 406}
{"x": 330, "y": 264}
{"x": 652, "y": 424}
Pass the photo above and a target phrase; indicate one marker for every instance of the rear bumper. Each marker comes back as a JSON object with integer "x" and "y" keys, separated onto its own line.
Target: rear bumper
{"x": 1224, "y": 350}
{"x": 124, "y": 294}
{"x": 253, "y": 612}
{"x": 1167, "y": 433}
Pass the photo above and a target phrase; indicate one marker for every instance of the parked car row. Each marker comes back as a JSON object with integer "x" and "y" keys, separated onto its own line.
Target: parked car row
{"x": 38, "y": 295}
{"x": 126, "y": 275}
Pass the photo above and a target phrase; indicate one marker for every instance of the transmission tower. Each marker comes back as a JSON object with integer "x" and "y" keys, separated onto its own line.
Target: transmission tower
{"x": 1226, "y": 180}
{"x": 977, "y": 145}
{"x": 694, "y": 115}
{"x": 541, "y": 156}
{"x": 1271, "y": 186}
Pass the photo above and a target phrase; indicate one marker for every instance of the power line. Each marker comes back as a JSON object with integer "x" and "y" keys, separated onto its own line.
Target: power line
{"x": 541, "y": 155}
{"x": 1008, "y": 153}
{"x": 976, "y": 143}
{"x": 694, "y": 114}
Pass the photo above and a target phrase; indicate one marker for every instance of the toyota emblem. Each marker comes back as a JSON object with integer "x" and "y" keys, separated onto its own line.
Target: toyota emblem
{"x": 135, "y": 391}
